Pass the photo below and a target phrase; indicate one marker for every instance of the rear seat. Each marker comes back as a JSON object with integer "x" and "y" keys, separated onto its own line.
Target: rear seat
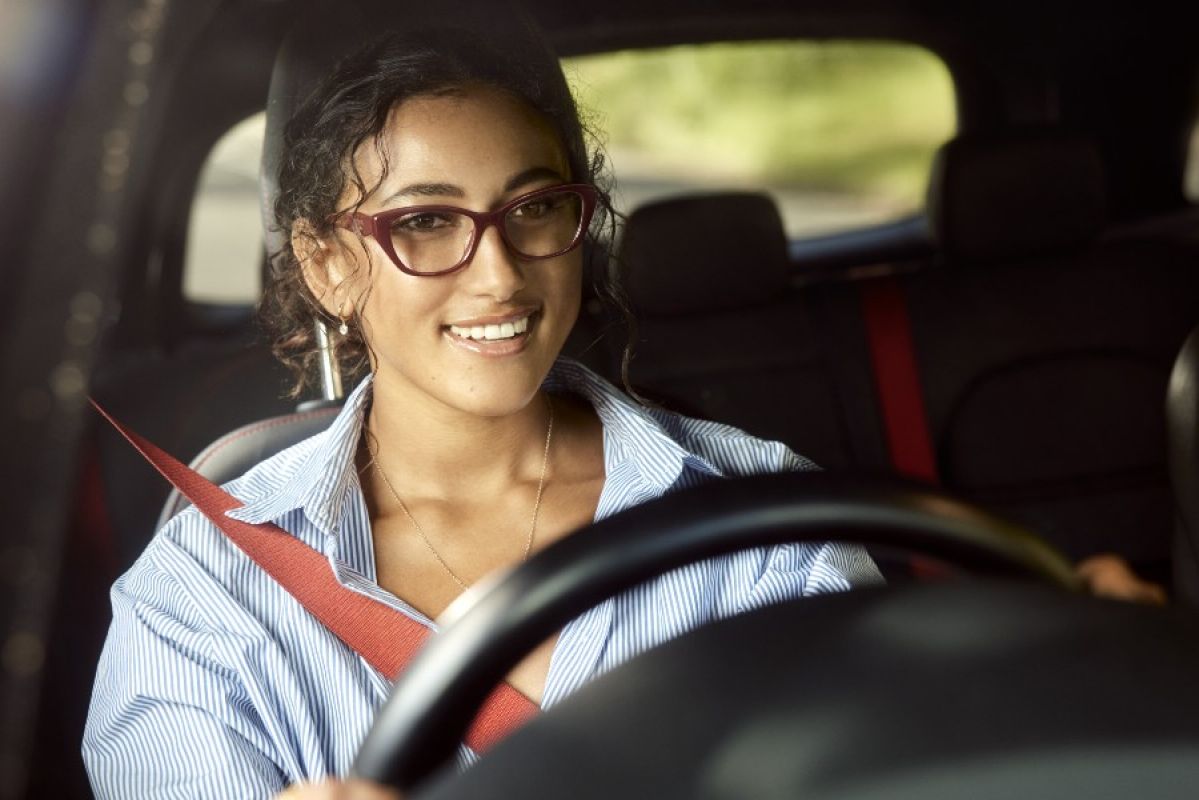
{"x": 721, "y": 332}
{"x": 1043, "y": 346}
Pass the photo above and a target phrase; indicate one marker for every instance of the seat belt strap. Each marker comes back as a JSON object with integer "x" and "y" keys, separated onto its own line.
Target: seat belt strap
{"x": 385, "y": 637}
{"x": 897, "y": 379}
{"x": 901, "y": 399}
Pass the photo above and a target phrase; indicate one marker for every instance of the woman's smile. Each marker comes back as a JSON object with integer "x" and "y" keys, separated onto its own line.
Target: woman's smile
{"x": 494, "y": 336}
{"x": 500, "y": 320}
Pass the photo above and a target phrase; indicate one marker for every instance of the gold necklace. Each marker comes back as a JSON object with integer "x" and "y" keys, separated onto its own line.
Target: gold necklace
{"x": 545, "y": 458}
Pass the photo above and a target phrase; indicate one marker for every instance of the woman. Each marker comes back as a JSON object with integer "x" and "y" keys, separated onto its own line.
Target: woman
{"x": 436, "y": 196}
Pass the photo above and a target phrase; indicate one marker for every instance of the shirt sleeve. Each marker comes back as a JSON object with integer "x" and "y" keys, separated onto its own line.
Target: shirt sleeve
{"x": 799, "y": 569}
{"x": 763, "y": 576}
{"x": 802, "y": 570}
{"x": 167, "y": 718}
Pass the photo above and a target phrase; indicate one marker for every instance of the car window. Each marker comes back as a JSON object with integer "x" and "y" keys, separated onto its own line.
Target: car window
{"x": 224, "y": 236}
{"x": 841, "y": 133}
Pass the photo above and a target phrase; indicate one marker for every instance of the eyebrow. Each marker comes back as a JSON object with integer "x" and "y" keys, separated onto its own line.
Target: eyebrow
{"x": 426, "y": 190}
{"x": 518, "y": 180}
{"x": 532, "y": 175}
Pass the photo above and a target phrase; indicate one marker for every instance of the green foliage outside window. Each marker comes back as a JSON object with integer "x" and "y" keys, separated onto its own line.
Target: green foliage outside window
{"x": 844, "y": 117}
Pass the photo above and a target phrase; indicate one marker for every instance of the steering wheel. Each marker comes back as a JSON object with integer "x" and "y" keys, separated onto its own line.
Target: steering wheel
{"x": 494, "y": 626}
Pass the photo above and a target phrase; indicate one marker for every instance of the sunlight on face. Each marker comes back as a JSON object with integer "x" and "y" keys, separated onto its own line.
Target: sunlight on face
{"x": 475, "y": 149}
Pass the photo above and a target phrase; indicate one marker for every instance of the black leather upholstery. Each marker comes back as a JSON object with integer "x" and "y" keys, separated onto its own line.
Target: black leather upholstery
{"x": 1020, "y": 194}
{"x": 721, "y": 333}
{"x": 705, "y": 253}
{"x": 1182, "y": 424}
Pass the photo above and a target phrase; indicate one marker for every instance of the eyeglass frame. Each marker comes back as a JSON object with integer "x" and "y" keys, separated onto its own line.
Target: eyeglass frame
{"x": 378, "y": 225}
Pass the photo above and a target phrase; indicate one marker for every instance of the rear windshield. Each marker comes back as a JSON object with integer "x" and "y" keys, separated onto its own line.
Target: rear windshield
{"x": 841, "y": 133}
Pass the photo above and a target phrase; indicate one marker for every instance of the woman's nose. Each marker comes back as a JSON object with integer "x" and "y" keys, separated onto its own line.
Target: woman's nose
{"x": 494, "y": 270}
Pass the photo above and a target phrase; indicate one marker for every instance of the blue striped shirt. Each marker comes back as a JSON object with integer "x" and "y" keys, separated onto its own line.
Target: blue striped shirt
{"x": 215, "y": 682}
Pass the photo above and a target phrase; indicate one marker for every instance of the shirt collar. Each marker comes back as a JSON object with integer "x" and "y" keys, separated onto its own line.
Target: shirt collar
{"x": 321, "y": 470}
{"x": 633, "y": 433}
{"x": 319, "y": 473}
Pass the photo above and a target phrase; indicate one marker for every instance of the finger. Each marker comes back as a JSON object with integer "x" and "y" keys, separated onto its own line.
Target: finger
{"x": 1110, "y": 576}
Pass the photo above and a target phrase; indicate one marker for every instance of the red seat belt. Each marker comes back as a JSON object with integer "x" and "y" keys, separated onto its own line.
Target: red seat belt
{"x": 897, "y": 380}
{"x": 385, "y": 637}
{"x": 893, "y": 358}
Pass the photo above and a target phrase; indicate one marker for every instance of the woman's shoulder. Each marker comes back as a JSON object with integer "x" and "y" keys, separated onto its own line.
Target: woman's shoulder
{"x": 276, "y": 472}
{"x": 726, "y": 448}
{"x": 730, "y": 449}
{"x": 267, "y": 491}
{"x": 191, "y": 569}
{"x": 303, "y": 472}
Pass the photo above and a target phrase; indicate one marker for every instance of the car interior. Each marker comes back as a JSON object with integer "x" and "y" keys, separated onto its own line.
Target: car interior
{"x": 1013, "y": 342}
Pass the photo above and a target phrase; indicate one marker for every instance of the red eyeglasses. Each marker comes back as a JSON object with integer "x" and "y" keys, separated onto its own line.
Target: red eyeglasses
{"x": 437, "y": 240}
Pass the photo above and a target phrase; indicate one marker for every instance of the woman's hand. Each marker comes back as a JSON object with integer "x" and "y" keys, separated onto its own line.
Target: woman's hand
{"x": 1110, "y": 576}
{"x": 338, "y": 790}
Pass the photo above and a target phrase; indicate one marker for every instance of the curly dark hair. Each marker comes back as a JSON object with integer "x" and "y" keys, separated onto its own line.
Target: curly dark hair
{"x": 351, "y": 107}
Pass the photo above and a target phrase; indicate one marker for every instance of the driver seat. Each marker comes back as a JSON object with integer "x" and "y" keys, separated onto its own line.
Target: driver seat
{"x": 237, "y": 451}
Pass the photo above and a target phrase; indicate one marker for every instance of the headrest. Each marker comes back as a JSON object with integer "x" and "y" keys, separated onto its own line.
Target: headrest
{"x": 705, "y": 253}
{"x": 1016, "y": 195}
{"x": 325, "y": 33}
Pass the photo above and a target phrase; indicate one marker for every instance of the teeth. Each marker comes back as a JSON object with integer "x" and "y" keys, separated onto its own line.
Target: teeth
{"x": 492, "y": 332}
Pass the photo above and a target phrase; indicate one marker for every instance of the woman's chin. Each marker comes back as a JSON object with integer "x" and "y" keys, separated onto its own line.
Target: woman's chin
{"x": 494, "y": 405}
{"x": 485, "y": 388}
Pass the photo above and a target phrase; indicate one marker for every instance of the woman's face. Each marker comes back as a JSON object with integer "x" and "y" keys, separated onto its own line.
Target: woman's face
{"x": 475, "y": 150}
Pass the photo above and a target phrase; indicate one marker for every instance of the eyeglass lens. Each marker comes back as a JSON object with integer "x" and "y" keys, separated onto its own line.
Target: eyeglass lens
{"x": 435, "y": 241}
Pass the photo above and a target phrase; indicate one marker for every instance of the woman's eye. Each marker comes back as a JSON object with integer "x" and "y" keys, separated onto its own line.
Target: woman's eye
{"x": 536, "y": 209}
{"x": 416, "y": 223}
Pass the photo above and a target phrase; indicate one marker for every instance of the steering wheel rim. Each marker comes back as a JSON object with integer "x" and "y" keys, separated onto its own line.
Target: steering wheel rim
{"x": 495, "y": 625}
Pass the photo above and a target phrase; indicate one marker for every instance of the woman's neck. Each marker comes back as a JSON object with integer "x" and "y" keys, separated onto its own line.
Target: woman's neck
{"x": 436, "y": 450}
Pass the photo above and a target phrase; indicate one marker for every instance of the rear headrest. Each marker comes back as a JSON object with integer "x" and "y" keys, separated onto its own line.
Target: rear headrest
{"x": 1016, "y": 195}
{"x": 705, "y": 253}
{"x": 325, "y": 33}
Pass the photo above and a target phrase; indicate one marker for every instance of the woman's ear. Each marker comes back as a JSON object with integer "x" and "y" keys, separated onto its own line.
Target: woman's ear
{"x": 323, "y": 266}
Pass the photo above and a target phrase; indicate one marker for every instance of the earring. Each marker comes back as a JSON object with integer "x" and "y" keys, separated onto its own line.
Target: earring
{"x": 343, "y": 329}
